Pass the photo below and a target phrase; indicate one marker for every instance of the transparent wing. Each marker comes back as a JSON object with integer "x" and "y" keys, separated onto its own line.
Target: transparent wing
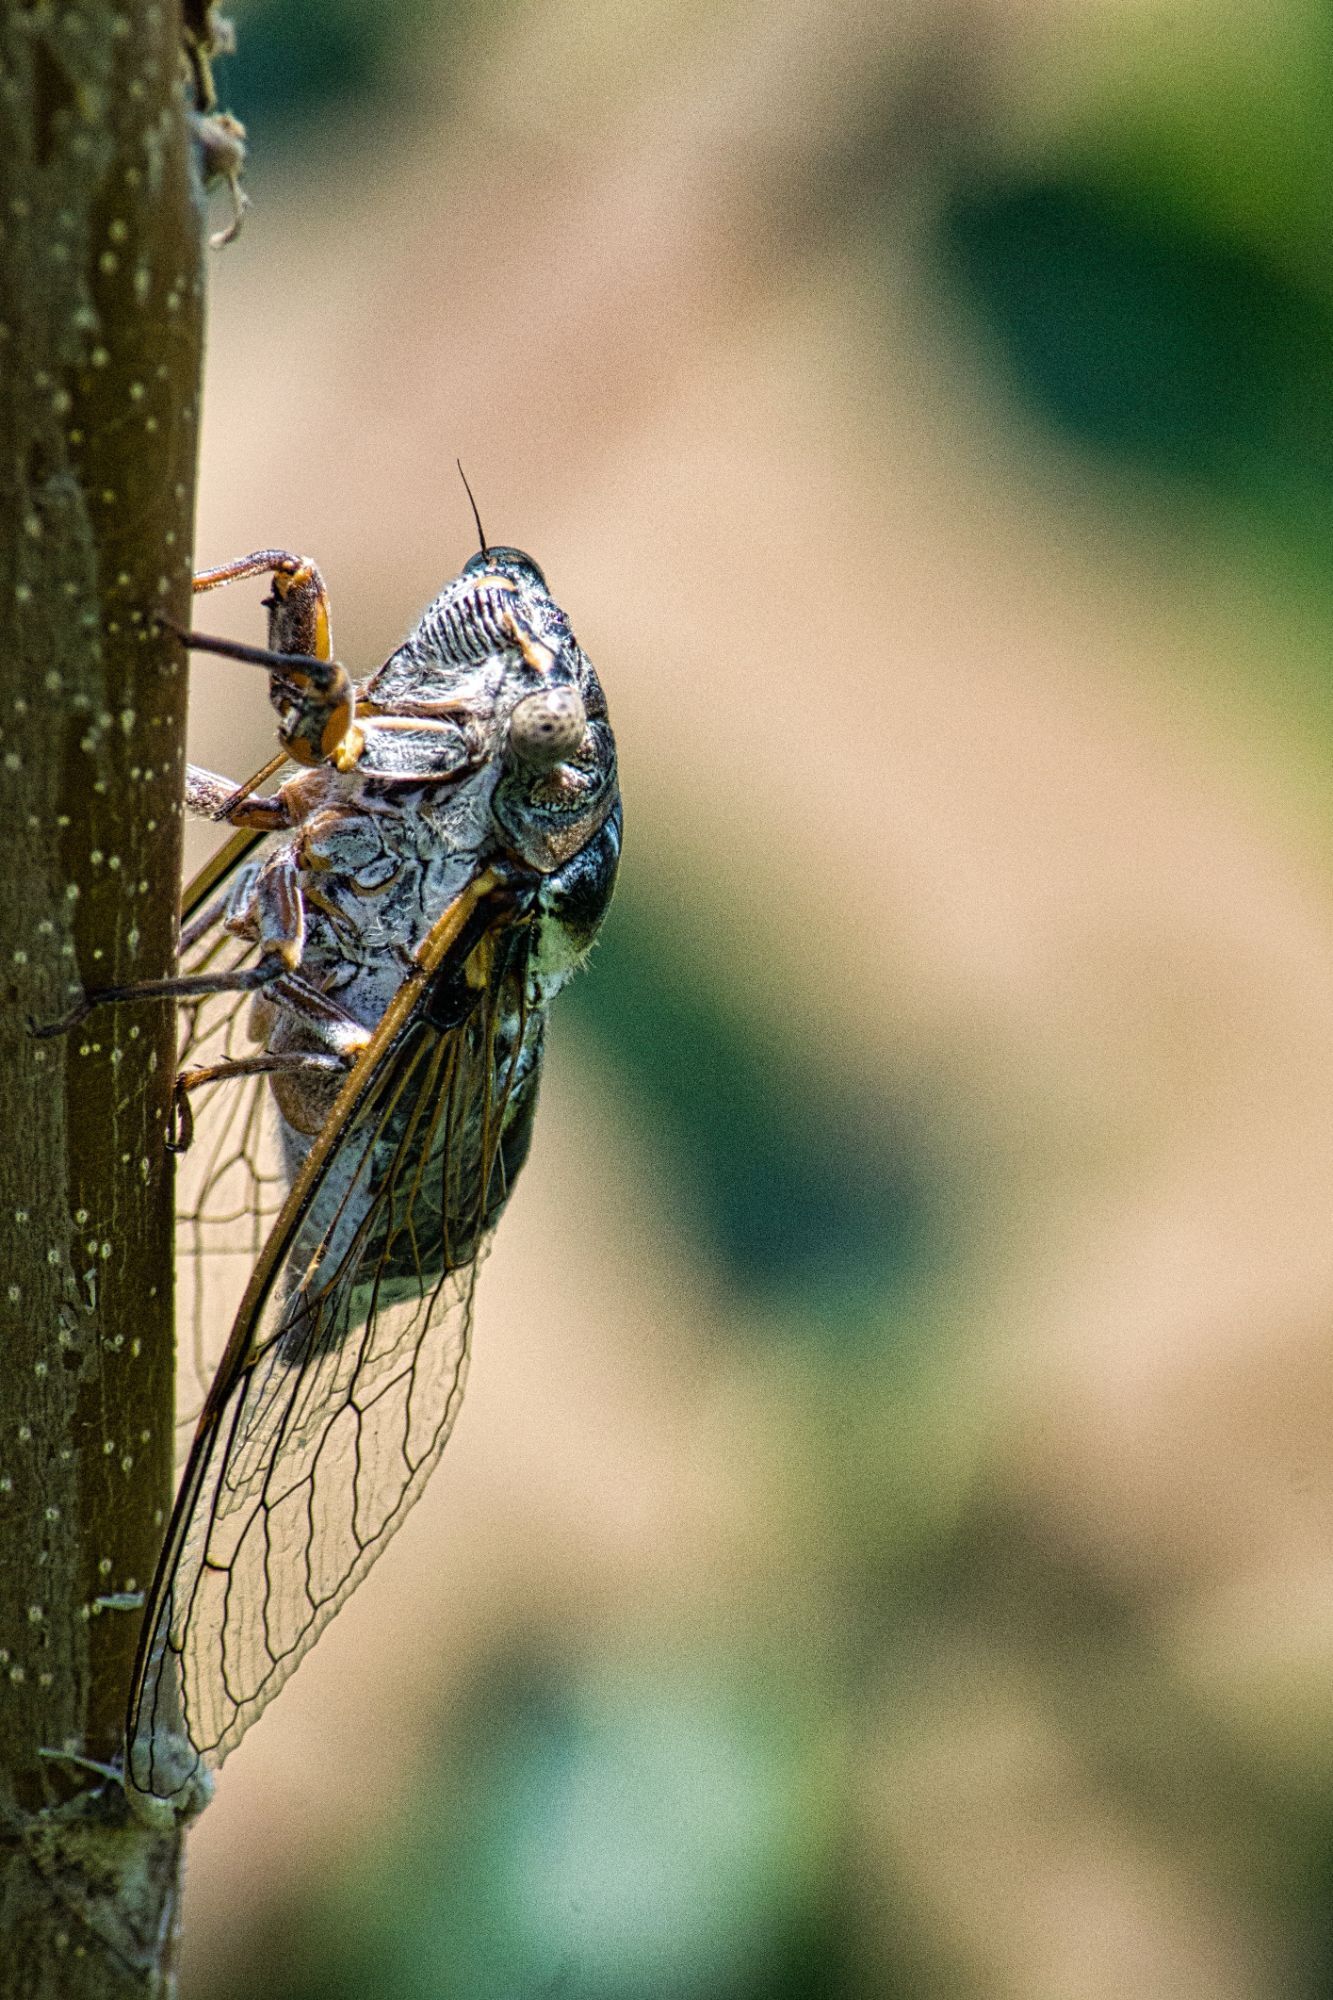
{"x": 232, "y": 1179}
{"x": 345, "y": 1369}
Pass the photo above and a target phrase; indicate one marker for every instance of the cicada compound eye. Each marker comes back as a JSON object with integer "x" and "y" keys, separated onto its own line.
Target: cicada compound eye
{"x": 547, "y": 727}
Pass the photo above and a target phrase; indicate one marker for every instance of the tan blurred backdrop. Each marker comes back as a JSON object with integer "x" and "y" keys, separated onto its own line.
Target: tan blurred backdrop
{"x": 975, "y": 773}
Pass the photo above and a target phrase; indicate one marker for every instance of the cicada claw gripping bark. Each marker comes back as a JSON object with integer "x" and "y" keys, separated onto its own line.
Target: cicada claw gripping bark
{"x": 364, "y": 980}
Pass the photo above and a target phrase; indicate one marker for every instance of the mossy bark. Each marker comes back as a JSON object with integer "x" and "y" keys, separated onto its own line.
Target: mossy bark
{"x": 100, "y": 356}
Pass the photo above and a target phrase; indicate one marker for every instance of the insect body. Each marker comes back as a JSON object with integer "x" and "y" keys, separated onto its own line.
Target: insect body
{"x": 365, "y": 979}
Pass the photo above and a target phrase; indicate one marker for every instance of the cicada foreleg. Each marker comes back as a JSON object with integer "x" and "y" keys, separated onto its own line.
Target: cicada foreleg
{"x": 311, "y": 690}
{"x": 300, "y": 631}
{"x": 298, "y": 609}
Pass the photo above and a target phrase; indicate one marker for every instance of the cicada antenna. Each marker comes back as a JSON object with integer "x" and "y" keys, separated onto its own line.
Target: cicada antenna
{"x": 476, "y": 512}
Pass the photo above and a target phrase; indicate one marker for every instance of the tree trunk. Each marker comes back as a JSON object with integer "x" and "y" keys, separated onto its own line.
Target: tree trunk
{"x": 100, "y": 352}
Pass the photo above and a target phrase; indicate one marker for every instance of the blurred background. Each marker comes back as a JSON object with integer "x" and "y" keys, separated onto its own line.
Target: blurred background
{"x": 888, "y": 1546}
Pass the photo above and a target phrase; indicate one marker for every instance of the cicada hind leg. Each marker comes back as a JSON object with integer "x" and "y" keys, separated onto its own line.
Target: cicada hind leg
{"x": 306, "y": 1065}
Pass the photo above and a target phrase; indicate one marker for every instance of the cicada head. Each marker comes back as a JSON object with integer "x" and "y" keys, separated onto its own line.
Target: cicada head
{"x": 497, "y": 653}
{"x": 557, "y": 778}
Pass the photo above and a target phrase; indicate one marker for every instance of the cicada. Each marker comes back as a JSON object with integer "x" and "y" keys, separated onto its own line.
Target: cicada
{"x": 364, "y": 982}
